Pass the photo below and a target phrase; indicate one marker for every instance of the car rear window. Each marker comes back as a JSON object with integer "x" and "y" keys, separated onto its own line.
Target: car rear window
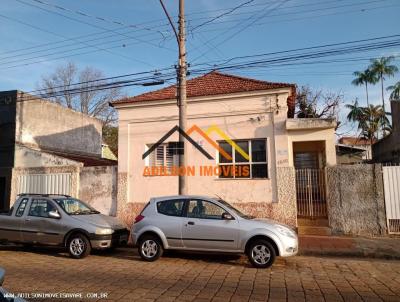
{"x": 21, "y": 208}
{"x": 170, "y": 207}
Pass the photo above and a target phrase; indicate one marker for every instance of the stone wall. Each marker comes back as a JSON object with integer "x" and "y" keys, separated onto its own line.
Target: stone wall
{"x": 98, "y": 187}
{"x": 355, "y": 200}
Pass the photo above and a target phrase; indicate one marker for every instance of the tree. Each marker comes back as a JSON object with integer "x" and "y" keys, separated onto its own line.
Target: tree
{"x": 370, "y": 119}
{"x": 382, "y": 69}
{"x": 395, "y": 95}
{"x": 84, "y": 97}
{"x": 364, "y": 78}
{"x": 110, "y": 137}
{"x": 317, "y": 104}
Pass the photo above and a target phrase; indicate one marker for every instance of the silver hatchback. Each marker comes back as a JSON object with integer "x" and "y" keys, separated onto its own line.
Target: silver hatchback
{"x": 198, "y": 223}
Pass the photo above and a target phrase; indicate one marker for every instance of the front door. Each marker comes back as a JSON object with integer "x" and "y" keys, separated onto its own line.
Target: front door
{"x": 204, "y": 228}
{"x": 39, "y": 227}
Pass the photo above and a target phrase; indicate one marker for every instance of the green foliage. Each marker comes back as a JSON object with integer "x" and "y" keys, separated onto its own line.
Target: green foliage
{"x": 395, "y": 95}
{"x": 110, "y": 137}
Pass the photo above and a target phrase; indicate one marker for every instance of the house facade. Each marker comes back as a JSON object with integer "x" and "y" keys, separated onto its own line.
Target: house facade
{"x": 47, "y": 148}
{"x": 387, "y": 149}
{"x": 245, "y": 144}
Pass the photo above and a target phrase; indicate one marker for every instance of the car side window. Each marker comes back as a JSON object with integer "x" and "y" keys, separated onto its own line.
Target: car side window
{"x": 204, "y": 210}
{"x": 171, "y": 207}
{"x": 41, "y": 208}
{"x": 21, "y": 208}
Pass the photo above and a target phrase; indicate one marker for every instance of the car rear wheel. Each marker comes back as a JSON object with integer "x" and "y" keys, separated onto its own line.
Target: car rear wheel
{"x": 261, "y": 253}
{"x": 150, "y": 248}
{"x": 79, "y": 246}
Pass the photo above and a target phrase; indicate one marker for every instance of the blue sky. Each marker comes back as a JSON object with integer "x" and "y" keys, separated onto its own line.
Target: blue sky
{"x": 286, "y": 25}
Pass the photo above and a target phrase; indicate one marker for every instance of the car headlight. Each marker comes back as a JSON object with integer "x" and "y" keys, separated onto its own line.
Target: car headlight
{"x": 285, "y": 231}
{"x": 104, "y": 231}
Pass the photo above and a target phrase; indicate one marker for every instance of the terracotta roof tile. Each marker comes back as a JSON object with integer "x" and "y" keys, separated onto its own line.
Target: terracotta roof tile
{"x": 214, "y": 83}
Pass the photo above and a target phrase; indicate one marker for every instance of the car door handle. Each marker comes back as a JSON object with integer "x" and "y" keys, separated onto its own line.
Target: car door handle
{"x": 27, "y": 219}
{"x": 191, "y": 222}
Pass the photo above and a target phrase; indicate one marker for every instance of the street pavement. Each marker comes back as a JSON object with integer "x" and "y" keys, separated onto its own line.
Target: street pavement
{"x": 122, "y": 276}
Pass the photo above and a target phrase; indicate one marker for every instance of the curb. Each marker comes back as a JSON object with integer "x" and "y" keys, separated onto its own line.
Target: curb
{"x": 350, "y": 254}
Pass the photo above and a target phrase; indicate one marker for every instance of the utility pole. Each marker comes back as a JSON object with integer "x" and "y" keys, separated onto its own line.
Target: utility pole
{"x": 182, "y": 104}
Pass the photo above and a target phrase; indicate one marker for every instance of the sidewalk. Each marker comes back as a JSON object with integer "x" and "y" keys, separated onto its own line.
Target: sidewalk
{"x": 386, "y": 248}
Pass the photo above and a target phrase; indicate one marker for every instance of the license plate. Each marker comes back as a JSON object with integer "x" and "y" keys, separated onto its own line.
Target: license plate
{"x": 123, "y": 238}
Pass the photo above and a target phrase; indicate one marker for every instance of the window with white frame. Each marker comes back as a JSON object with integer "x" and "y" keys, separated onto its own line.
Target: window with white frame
{"x": 165, "y": 155}
{"x": 257, "y": 164}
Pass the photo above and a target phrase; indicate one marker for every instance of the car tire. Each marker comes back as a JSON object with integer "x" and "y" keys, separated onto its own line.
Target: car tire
{"x": 150, "y": 248}
{"x": 261, "y": 253}
{"x": 79, "y": 246}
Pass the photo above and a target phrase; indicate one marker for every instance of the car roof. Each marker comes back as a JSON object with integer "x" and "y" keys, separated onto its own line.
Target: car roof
{"x": 168, "y": 197}
{"x": 43, "y": 195}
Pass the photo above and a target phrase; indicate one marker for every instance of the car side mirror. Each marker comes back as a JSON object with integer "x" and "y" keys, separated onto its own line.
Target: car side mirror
{"x": 227, "y": 216}
{"x": 54, "y": 214}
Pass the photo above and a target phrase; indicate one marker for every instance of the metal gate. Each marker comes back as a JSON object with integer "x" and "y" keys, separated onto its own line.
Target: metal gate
{"x": 391, "y": 182}
{"x": 59, "y": 183}
{"x": 310, "y": 193}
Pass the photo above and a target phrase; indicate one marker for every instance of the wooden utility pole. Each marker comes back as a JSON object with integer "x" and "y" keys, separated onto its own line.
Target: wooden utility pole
{"x": 182, "y": 70}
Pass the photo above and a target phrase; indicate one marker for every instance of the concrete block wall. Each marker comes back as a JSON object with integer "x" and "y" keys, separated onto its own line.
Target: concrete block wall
{"x": 355, "y": 200}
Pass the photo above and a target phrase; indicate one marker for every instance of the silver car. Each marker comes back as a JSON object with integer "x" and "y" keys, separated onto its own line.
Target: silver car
{"x": 61, "y": 220}
{"x": 198, "y": 223}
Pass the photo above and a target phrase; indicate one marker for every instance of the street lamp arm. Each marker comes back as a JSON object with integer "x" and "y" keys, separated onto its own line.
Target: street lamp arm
{"x": 170, "y": 20}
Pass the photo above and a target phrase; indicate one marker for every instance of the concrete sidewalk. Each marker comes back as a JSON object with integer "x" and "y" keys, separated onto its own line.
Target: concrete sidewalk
{"x": 385, "y": 248}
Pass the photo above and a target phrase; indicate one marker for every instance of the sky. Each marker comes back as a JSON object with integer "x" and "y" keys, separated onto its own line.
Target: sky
{"x": 128, "y": 36}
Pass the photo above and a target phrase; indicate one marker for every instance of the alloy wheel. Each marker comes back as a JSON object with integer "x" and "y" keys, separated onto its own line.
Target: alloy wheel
{"x": 261, "y": 254}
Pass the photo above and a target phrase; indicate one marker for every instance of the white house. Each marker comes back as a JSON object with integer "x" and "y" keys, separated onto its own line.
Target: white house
{"x": 238, "y": 115}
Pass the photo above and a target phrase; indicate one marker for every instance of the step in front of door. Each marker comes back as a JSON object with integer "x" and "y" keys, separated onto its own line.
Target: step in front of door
{"x": 315, "y": 230}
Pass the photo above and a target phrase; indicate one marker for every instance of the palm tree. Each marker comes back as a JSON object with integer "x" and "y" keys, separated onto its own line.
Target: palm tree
{"x": 364, "y": 78}
{"x": 370, "y": 119}
{"x": 382, "y": 68}
{"x": 395, "y": 95}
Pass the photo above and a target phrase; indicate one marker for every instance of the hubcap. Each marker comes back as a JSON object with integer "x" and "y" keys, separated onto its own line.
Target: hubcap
{"x": 77, "y": 246}
{"x": 261, "y": 254}
{"x": 149, "y": 248}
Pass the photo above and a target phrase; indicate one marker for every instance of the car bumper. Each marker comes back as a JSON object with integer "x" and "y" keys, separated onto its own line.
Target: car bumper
{"x": 290, "y": 247}
{"x": 118, "y": 238}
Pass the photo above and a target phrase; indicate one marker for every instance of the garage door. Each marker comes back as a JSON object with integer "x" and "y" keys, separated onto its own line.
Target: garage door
{"x": 59, "y": 183}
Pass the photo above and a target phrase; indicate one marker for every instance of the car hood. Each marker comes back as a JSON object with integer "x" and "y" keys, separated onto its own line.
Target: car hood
{"x": 101, "y": 220}
{"x": 269, "y": 222}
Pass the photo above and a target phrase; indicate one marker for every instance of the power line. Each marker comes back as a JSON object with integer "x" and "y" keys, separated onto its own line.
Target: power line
{"x": 223, "y": 14}
{"x": 59, "y": 35}
{"x": 103, "y": 19}
{"x": 245, "y": 27}
{"x": 90, "y": 24}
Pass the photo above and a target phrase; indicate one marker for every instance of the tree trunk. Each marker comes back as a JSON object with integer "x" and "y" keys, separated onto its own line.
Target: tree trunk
{"x": 366, "y": 90}
{"x": 383, "y": 107}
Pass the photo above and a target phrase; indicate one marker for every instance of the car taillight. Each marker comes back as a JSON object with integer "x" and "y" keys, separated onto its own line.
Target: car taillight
{"x": 139, "y": 218}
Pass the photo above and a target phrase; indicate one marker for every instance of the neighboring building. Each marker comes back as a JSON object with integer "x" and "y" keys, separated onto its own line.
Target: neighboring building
{"x": 353, "y": 150}
{"x": 256, "y": 115}
{"x": 387, "y": 150}
{"x": 45, "y": 148}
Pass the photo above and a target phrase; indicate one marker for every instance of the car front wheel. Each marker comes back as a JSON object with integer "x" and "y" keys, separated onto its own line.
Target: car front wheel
{"x": 79, "y": 246}
{"x": 261, "y": 254}
{"x": 150, "y": 248}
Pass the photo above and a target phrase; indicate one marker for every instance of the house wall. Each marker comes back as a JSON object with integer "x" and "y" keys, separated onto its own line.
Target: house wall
{"x": 355, "y": 200}
{"x": 29, "y": 158}
{"x": 51, "y": 126}
{"x": 98, "y": 187}
{"x": 388, "y": 148}
{"x": 314, "y": 135}
{"x": 241, "y": 116}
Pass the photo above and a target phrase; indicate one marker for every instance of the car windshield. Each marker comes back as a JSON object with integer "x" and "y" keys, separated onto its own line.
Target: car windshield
{"x": 74, "y": 206}
{"x": 236, "y": 211}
